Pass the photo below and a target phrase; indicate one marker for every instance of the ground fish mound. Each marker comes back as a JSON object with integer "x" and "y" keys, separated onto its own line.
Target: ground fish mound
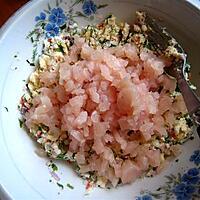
{"x": 108, "y": 106}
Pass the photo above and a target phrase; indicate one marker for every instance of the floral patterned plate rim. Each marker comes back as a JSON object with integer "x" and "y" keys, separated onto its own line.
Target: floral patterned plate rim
{"x": 47, "y": 19}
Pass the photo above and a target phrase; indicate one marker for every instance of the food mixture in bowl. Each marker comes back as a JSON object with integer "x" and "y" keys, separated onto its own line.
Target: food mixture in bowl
{"x": 100, "y": 99}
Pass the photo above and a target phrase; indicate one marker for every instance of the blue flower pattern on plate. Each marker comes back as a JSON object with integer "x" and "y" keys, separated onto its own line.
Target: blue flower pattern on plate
{"x": 195, "y": 157}
{"x": 51, "y": 30}
{"x": 89, "y": 7}
{"x": 187, "y": 187}
{"x": 183, "y": 187}
{"x": 191, "y": 177}
{"x": 53, "y": 20}
{"x": 57, "y": 17}
{"x": 41, "y": 17}
{"x": 184, "y": 191}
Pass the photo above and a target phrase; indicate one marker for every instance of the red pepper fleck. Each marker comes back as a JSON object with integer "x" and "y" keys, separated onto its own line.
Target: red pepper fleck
{"x": 101, "y": 26}
{"x": 88, "y": 185}
{"x": 172, "y": 133}
{"x": 22, "y": 101}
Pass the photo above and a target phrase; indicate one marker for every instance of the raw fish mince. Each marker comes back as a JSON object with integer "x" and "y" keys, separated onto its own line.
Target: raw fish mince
{"x": 108, "y": 108}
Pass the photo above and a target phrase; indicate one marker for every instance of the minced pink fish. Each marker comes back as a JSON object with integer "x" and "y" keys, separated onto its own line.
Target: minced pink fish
{"x": 108, "y": 101}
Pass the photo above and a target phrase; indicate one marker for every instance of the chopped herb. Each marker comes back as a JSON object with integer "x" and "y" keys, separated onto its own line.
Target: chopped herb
{"x": 34, "y": 54}
{"x": 63, "y": 27}
{"x": 62, "y": 146}
{"x": 49, "y": 154}
{"x": 159, "y": 189}
{"x": 75, "y": 166}
{"x": 60, "y": 49}
{"x": 192, "y": 138}
{"x": 54, "y": 167}
{"x": 32, "y": 39}
{"x": 60, "y": 185}
{"x": 61, "y": 157}
{"x": 6, "y": 109}
{"x": 24, "y": 80}
{"x": 31, "y": 64}
{"x": 187, "y": 68}
{"x": 189, "y": 122}
{"x": 109, "y": 16}
{"x": 21, "y": 123}
{"x": 70, "y": 186}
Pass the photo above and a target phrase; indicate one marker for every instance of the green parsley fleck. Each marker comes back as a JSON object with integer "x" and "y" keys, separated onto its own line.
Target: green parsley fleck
{"x": 60, "y": 185}
{"x": 6, "y": 109}
{"x": 21, "y": 123}
{"x": 159, "y": 189}
{"x": 30, "y": 63}
{"x": 60, "y": 48}
{"x": 61, "y": 157}
{"x": 189, "y": 121}
{"x": 54, "y": 167}
{"x": 32, "y": 40}
{"x": 70, "y": 186}
{"x": 192, "y": 138}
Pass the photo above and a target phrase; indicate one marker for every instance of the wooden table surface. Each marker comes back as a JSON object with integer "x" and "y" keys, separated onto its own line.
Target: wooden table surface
{"x": 8, "y": 7}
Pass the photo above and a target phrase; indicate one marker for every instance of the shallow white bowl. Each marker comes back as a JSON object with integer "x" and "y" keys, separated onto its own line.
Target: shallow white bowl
{"x": 24, "y": 175}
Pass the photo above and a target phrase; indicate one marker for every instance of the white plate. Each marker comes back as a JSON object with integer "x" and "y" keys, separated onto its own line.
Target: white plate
{"x": 24, "y": 175}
